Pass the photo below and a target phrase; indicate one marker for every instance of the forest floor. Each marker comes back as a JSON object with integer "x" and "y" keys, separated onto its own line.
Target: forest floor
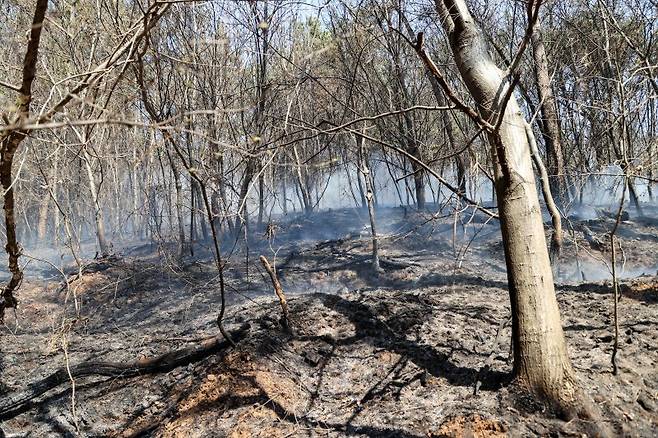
{"x": 421, "y": 349}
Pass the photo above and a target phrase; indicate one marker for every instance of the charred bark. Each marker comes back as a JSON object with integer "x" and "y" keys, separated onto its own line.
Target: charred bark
{"x": 9, "y": 143}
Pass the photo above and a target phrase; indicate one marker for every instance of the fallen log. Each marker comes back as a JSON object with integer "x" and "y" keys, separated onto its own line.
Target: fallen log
{"x": 594, "y": 242}
{"x": 12, "y": 404}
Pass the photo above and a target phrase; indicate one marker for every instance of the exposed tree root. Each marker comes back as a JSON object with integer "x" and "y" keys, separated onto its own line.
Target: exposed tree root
{"x": 13, "y": 404}
{"x": 567, "y": 403}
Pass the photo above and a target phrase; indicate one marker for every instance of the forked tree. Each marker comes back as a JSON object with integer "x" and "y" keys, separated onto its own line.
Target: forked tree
{"x": 541, "y": 362}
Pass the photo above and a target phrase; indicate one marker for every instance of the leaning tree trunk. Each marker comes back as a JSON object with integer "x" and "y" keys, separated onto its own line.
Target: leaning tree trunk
{"x": 9, "y": 142}
{"x": 541, "y": 362}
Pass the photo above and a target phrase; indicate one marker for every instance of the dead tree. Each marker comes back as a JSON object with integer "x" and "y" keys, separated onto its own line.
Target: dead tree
{"x": 17, "y": 132}
{"x": 278, "y": 290}
{"x": 550, "y": 121}
{"x": 365, "y": 170}
{"x": 9, "y": 143}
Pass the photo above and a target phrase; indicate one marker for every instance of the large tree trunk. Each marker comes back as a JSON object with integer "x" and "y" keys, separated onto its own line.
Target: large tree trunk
{"x": 541, "y": 362}
{"x": 550, "y": 122}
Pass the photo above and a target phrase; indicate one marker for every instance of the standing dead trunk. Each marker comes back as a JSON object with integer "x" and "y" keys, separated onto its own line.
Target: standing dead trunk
{"x": 9, "y": 142}
{"x": 179, "y": 202}
{"x": 50, "y": 186}
{"x": 550, "y": 121}
{"x": 362, "y": 191}
{"x": 541, "y": 362}
{"x": 103, "y": 245}
{"x": 261, "y": 198}
{"x": 303, "y": 183}
{"x": 198, "y": 197}
{"x": 284, "y": 193}
{"x": 419, "y": 183}
{"x": 364, "y": 169}
{"x": 44, "y": 207}
{"x": 243, "y": 210}
{"x": 193, "y": 233}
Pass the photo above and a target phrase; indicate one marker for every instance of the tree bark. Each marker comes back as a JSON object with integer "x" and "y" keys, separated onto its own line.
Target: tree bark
{"x": 364, "y": 169}
{"x": 556, "y": 219}
{"x": 9, "y": 143}
{"x": 103, "y": 244}
{"x": 178, "y": 184}
{"x": 541, "y": 362}
{"x": 550, "y": 122}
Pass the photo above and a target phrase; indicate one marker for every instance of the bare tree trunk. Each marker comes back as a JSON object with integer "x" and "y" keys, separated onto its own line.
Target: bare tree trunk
{"x": 362, "y": 191}
{"x": 222, "y": 195}
{"x": 284, "y": 189}
{"x": 303, "y": 186}
{"x": 42, "y": 225}
{"x": 556, "y": 219}
{"x": 243, "y": 210}
{"x": 419, "y": 181}
{"x": 193, "y": 233}
{"x": 261, "y": 198}
{"x": 364, "y": 168}
{"x": 541, "y": 362}
{"x": 9, "y": 143}
{"x": 198, "y": 197}
{"x": 179, "y": 202}
{"x": 103, "y": 244}
{"x": 550, "y": 121}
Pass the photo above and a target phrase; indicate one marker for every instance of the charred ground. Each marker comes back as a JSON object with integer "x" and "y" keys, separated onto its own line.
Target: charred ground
{"x": 421, "y": 349}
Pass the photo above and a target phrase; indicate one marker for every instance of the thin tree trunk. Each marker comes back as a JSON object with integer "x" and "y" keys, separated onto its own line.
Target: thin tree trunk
{"x": 556, "y": 219}
{"x": 362, "y": 191}
{"x": 179, "y": 203}
{"x": 550, "y": 122}
{"x": 42, "y": 226}
{"x": 303, "y": 186}
{"x": 205, "y": 235}
{"x": 243, "y": 210}
{"x": 103, "y": 244}
{"x": 9, "y": 143}
{"x": 284, "y": 187}
{"x": 261, "y": 198}
{"x": 364, "y": 168}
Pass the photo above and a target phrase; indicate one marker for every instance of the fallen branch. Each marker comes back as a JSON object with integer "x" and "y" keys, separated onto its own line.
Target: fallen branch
{"x": 13, "y": 404}
{"x": 278, "y": 290}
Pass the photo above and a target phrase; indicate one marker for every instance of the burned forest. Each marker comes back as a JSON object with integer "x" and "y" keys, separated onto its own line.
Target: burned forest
{"x": 329, "y": 218}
